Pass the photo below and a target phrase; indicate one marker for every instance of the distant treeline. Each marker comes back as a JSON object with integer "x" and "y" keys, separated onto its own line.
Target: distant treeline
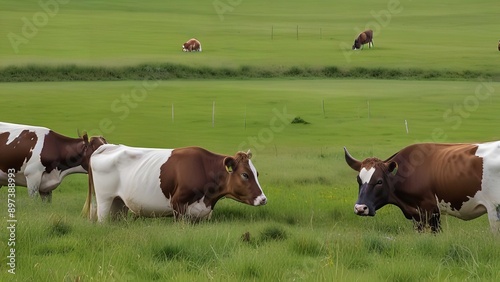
{"x": 31, "y": 73}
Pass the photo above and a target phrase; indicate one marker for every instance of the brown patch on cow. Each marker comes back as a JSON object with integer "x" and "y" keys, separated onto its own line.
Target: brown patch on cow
{"x": 461, "y": 175}
{"x": 17, "y": 152}
{"x": 190, "y": 174}
{"x": 61, "y": 152}
{"x": 193, "y": 173}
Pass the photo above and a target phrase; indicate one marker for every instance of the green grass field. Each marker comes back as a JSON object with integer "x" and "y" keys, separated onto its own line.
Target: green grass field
{"x": 451, "y": 35}
{"x": 308, "y": 230}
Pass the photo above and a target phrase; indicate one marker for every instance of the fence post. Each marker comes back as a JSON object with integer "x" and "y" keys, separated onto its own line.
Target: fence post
{"x": 213, "y": 114}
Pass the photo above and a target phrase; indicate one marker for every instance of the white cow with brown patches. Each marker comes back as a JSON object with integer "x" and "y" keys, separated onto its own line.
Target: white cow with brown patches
{"x": 425, "y": 180}
{"x": 40, "y": 158}
{"x": 184, "y": 182}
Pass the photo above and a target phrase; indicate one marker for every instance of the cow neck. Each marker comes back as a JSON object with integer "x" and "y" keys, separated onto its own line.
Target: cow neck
{"x": 220, "y": 179}
{"x": 62, "y": 152}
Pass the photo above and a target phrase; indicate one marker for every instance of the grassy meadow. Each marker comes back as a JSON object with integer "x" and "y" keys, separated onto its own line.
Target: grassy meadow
{"x": 449, "y": 35}
{"x": 308, "y": 230}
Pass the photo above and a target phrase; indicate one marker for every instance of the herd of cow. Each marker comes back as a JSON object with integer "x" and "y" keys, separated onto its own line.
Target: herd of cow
{"x": 423, "y": 180}
{"x": 365, "y": 37}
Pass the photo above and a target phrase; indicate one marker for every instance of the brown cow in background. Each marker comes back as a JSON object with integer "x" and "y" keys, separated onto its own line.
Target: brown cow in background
{"x": 192, "y": 45}
{"x": 365, "y": 37}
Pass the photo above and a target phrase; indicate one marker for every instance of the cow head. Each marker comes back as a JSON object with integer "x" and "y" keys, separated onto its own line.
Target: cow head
{"x": 374, "y": 180}
{"x": 356, "y": 45}
{"x": 90, "y": 146}
{"x": 242, "y": 180}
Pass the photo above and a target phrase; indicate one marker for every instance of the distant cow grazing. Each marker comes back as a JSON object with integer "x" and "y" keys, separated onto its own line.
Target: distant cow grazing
{"x": 185, "y": 182}
{"x": 40, "y": 158}
{"x": 498, "y": 45}
{"x": 365, "y": 37}
{"x": 424, "y": 180}
{"x": 192, "y": 45}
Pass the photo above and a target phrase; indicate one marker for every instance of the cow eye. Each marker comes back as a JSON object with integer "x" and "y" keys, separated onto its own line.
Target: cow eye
{"x": 244, "y": 175}
{"x": 379, "y": 182}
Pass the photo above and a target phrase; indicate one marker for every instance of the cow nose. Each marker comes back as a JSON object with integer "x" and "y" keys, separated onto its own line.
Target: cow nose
{"x": 361, "y": 209}
{"x": 260, "y": 200}
{"x": 263, "y": 201}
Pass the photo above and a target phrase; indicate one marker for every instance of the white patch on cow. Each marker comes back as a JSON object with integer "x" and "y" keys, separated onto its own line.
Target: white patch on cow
{"x": 133, "y": 174}
{"x": 261, "y": 197}
{"x": 490, "y": 152}
{"x": 199, "y": 209}
{"x": 366, "y": 174}
{"x": 490, "y": 183}
{"x": 471, "y": 209}
{"x": 488, "y": 198}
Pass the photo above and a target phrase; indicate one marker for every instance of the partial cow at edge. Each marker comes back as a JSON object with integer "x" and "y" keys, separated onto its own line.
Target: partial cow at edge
{"x": 428, "y": 179}
{"x": 184, "y": 183}
{"x": 365, "y": 37}
{"x": 40, "y": 158}
{"x": 192, "y": 45}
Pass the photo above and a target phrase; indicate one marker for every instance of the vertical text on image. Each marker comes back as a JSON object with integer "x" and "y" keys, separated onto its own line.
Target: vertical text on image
{"x": 11, "y": 220}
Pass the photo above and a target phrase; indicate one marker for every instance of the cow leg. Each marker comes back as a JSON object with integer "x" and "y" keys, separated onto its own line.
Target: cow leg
{"x": 435, "y": 222}
{"x": 33, "y": 181}
{"x": 494, "y": 218}
{"x": 426, "y": 219}
{"x": 46, "y": 196}
{"x": 103, "y": 208}
{"x": 118, "y": 209}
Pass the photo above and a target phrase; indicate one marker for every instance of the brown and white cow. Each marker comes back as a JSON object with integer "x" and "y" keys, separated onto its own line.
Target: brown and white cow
{"x": 40, "y": 158}
{"x": 427, "y": 179}
{"x": 365, "y": 37}
{"x": 192, "y": 45}
{"x": 185, "y": 182}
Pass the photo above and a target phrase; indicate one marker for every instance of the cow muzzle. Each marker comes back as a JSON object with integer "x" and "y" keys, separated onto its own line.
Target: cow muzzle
{"x": 362, "y": 210}
{"x": 260, "y": 200}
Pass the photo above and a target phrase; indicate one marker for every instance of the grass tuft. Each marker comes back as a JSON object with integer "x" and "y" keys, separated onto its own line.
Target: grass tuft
{"x": 308, "y": 247}
{"x": 59, "y": 227}
{"x": 273, "y": 233}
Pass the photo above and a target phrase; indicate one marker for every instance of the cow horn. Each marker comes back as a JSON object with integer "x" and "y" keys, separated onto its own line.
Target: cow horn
{"x": 249, "y": 154}
{"x": 85, "y": 137}
{"x": 352, "y": 162}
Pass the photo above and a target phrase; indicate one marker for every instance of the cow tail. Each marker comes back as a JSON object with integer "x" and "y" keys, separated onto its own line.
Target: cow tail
{"x": 86, "y": 211}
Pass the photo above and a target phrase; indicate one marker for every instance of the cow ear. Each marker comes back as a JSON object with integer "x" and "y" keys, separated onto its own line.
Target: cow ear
{"x": 249, "y": 154}
{"x": 393, "y": 168}
{"x": 352, "y": 162}
{"x": 229, "y": 164}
